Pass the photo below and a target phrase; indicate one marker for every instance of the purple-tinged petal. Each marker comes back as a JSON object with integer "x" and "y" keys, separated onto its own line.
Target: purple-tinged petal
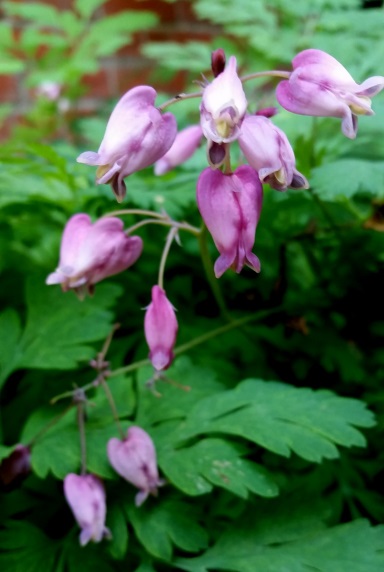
{"x": 160, "y": 328}
{"x": 134, "y": 459}
{"x": 86, "y": 496}
{"x": 89, "y": 158}
{"x": 230, "y": 206}
{"x": 183, "y": 147}
{"x": 90, "y": 253}
{"x": 223, "y": 105}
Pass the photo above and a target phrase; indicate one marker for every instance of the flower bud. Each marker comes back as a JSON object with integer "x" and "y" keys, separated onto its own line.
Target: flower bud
{"x": 230, "y": 206}
{"x": 267, "y": 149}
{"x": 160, "y": 328}
{"x": 218, "y": 62}
{"x": 134, "y": 459}
{"x": 320, "y": 86}
{"x": 85, "y": 495}
{"x": 223, "y": 106}
{"x": 91, "y": 252}
{"x": 15, "y": 467}
{"x": 137, "y": 135}
{"x": 185, "y": 144}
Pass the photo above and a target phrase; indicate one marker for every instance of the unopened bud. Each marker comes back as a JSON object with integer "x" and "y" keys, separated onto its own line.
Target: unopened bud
{"x": 218, "y": 61}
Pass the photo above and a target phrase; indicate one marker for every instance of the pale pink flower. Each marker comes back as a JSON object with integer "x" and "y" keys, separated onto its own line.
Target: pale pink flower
{"x": 160, "y": 328}
{"x": 230, "y": 206}
{"x": 267, "y": 149}
{"x": 183, "y": 147}
{"x": 319, "y": 85}
{"x": 134, "y": 459}
{"x": 223, "y": 106}
{"x": 86, "y": 496}
{"x": 137, "y": 135}
{"x": 91, "y": 252}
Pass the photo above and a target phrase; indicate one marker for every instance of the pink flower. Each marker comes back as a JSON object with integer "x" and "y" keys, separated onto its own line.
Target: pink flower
{"x": 321, "y": 86}
{"x": 91, "y": 252}
{"x": 134, "y": 459}
{"x": 86, "y": 496}
{"x": 223, "y": 106}
{"x": 160, "y": 328}
{"x": 136, "y": 136}
{"x": 185, "y": 144}
{"x": 230, "y": 206}
{"x": 16, "y": 466}
{"x": 268, "y": 150}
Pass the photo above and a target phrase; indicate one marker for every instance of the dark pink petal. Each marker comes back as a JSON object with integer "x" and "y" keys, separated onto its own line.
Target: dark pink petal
{"x": 160, "y": 328}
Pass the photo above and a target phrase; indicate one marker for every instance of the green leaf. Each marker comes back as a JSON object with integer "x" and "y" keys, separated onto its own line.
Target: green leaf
{"x": 175, "y": 402}
{"x": 195, "y": 470}
{"x": 58, "y": 450}
{"x": 10, "y": 332}
{"x": 87, "y": 7}
{"x": 287, "y": 538}
{"x": 159, "y": 525}
{"x": 282, "y": 418}
{"x": 59, "y": 328}
{"x": 117, "y": 524}
{"x": 24, "y": 547}
{"x": 37, "y": 12}
{"x": 345, "y": 178}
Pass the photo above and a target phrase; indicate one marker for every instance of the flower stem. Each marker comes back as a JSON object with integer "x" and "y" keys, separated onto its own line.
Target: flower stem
{"x": 50, "y": 424}
{"x": 272, "y": 73}
{"x": 208, "y": 267}
{"x": 177, "y": 98}
{"x": 171, "y": 235}
{"x": 112, "y": 405}
{"x": 165, "y": 222}
{"x": 140, "y": 212}
{"x": 83, "y": 446}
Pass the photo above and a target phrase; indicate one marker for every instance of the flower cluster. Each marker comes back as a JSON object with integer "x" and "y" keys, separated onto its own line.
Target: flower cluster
{"x": 229, "y": 199}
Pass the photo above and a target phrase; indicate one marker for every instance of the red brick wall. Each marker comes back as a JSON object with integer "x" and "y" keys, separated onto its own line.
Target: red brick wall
{"x": 128, "y": 67}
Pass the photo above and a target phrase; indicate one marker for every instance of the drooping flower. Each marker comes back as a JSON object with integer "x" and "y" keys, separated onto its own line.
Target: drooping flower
{"x": 16, "y": 466}
{"x": 218, "y": 60}
{"x": 223, "y": 106}
{"x": 230, "y": 206}
{"x": 91, "y": 252}
{"x": 185, "y": 144}
{"x": 136, "y": 136}
{"x": 160, "y": 328}
{"x": 267, "y": 149}
{"x": 319, "y": 85}
{"x": 134, "y": 459}
{"x": 85, "y": 495}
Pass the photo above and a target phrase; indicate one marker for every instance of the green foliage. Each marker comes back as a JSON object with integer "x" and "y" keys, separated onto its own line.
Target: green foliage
{"x": 273, "y": 476}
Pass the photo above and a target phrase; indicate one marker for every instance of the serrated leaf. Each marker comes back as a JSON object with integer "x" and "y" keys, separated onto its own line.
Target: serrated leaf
{"x": 161, "y": 524}
{"x": 24, "y": 547}
{"x": 62, "y": 318}
{"x": 345, "y": 178}
{"x": 175, "y": 402}
{"x": 87, "y": 7}
{"x": 282, "y": 418}
{"x": 58, "y": 450}
{"x": 195, "y": 470}
{"x": 274, "y": 540}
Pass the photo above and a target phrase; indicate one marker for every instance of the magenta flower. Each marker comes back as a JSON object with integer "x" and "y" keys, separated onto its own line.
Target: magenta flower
{"x": 134, "y": 459}
{"x": 91, "y": 252}
{"x": 160, "y": 328}
{"x": 86, "y": 496}
{"x": 267, "y": 149}
{"x": 223, "y": 106}
{"x": 230, "y": 206}
{"x": 321, "y": 86}
{"x": 136, "y": 136}
{"x": 185, "y": 144}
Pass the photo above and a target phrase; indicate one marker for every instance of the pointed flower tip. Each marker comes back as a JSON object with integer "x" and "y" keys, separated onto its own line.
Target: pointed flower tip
{"x": 160, "y": 329}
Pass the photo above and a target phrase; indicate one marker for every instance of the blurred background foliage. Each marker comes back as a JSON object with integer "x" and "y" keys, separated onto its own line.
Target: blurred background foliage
{"x": 230, "y": 443}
